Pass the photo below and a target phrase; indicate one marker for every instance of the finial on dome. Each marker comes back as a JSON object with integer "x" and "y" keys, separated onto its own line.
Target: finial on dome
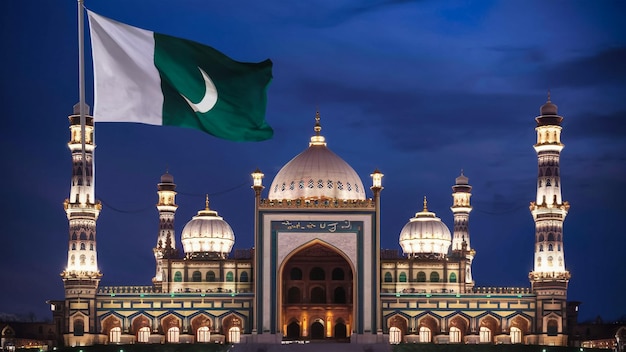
{"x": 549, "y": 96}
{"x": 425, "y": 205}
{"x": 206, "y": 202}
{"x": 318, "y": 139}
{"x": 318, "y": 127}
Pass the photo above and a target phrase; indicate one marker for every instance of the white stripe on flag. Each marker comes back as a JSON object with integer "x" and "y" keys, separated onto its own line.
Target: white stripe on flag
{"x": 127, "y": 86}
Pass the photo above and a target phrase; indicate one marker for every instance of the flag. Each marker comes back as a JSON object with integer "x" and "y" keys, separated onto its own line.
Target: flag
{"x": 146, "y": 77}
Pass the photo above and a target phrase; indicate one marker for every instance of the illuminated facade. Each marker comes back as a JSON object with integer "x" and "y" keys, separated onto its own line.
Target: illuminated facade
{"x": 317, "y": 270}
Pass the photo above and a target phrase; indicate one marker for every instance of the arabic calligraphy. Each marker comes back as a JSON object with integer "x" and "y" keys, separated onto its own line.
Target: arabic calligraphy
{"x": 325, "y": 226}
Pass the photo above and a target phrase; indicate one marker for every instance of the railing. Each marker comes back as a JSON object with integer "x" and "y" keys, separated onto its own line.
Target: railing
{"x": 128, "y": 289}
{"x": 474, "y": 290}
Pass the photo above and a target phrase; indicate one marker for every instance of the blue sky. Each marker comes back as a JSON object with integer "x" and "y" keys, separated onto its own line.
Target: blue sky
{"x": 417, "y": 89}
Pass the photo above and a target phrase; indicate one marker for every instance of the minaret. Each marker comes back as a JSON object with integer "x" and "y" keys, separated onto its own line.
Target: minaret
{"x": 549, "y": 210}
{"x": 81, "y": 275}
{"x": 166, "y": 241}
{"x": 461, "y": 208}
{"x": 549, "y": 279}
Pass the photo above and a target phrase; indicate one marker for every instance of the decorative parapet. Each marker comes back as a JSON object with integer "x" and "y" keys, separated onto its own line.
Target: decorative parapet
{"x": 473, "y": 290}
{"x": 127, "y": 289}
{"x": 549, "y": 276}
{"x": 317, "y": 204}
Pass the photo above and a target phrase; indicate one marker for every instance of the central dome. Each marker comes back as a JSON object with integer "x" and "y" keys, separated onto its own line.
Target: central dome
{"x": 317, "y": 173}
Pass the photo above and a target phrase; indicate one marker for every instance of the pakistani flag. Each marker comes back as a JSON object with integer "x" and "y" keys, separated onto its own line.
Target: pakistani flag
{"x": 146, "y": 77}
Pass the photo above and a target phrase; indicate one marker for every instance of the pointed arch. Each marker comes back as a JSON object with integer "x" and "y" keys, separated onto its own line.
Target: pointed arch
{"x": 458, "y": 327}
{"x": 488, "y": 328}
{"x": 168, "y": 322}
{"x": 201, "y": 326}
{"x": 108, "y": 324}
{"x": 232, "y": 327}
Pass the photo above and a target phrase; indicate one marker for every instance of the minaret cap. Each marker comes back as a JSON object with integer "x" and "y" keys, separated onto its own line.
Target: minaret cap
{"x": 462, "y": 179}
{"x": 549, "y": 108}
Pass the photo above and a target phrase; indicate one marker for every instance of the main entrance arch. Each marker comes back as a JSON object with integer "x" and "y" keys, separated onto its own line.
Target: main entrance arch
{"x": 316, "y": 294}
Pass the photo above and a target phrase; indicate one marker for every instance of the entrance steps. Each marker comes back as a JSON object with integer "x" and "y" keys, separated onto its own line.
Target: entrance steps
{"x": 311, "y": 347}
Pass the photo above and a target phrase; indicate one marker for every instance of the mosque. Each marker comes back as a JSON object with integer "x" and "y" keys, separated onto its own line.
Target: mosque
{"x": 317, "y": 271}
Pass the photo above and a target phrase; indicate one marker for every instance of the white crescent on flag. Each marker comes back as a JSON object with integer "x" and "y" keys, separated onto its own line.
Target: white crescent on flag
{"x": 210, "y": 95}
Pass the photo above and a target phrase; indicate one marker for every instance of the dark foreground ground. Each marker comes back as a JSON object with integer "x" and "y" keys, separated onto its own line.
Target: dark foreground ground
{"x": 324, "y": 347}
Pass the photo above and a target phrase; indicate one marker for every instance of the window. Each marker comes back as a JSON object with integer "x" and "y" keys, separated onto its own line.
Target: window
{"x": 540, "y": 248}
{"x": 452, "y": 277}
{"x": 203, "y": 334}
{"x": 82, "y": 246}
{"x": 293, "y": 295}
{"x": 178, "y": 276}
{"x": 234, "y": 334}
{"x": 338, "y": 274}
{"x": 196, "y": 276}
{"x": 402, "y": 277}
{"x": 79, "y": 327}
{"x": 243, "y": 277}
{"x": 395, "y": 335}
{"x": 340, "y": 295}
{"x": 516, "y": 335}
{"x": 115, "y": 335}
{"x": 318, "y": 295}
{"x": 143, "y": 335}
{"x": 210, "y": 276}
{"x": 455, "y": 335}
{"x": 388, "y": 277}
{"x": 434, "y": 276}
{"x": 425, "y": 334}
{"x": 485, "y": 334}
{"x": 295, "y": 274}
{"x": 229, "y": 276}
{"x": 317, "y": 273}
{"x": 553, "y": 327}
{"x": 173, "y": 335}
{"x": 421, "y": 276}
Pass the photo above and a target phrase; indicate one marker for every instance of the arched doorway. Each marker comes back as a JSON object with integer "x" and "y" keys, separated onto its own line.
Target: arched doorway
{"x": 317, "y": 331}
{"x": 293, "y": 331}
{"x": 316, "y": 294}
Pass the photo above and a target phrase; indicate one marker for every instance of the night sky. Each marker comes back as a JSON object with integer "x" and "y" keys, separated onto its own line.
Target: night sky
{"x": 417, "y": 89}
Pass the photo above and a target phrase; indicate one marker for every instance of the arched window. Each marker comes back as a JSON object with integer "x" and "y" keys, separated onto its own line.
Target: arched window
{"x": 143, "y": 335}
{"x": 229, "y": 276}
{"x": 421, "y": 276}
{"x": 516, "y": 335}
{"x": 317, "y": 273}
{"x": 82, "y": 246}
{"x": 485, "y": 334}
{"x": 455, "y": 335}
{"x": 293, "y": 295}
{"x": 178, "y": 276}
{"x": 82, "y": 259}
{"x": 395, "y": 335}
{"x": 115, "y": 335}
{"x": 541, "y": 248}
{"x": 550, "y": 247}
{"x": 338, "y": 274}
{"x": 83, "y": 236}
{"x": 79, "y": 327}
{"x": 203, "y": 334}
{"x": 548, "y": 183}
{"x": 425, "y": 334}
{"x": 452, "y": 277}
{"x": 339, "y": 295}
{"x": 234, "y": 334}
{"x": 196, "y": 276}
{"x": 91, "y": 246}
{"x": 553, "y": 327}
{"x": 402, "y": 277}
{"x": 434, "y": 276}
{"x": 173, "y": 335}
{"x": 74, "y": 237}
{"x": 210, "y": 276}
{"x": 551, "y": 237}
{"x": 541, "y": 238}
{"x": 91, "y": 236}
{"x": 295, "y": 274}
{"x": 73, "y": 246}
{"x": 243, "y": 277}
{"x": 318, "y": 295}
{"x": 550, "y": 260}
{"x": 388, "y": 277}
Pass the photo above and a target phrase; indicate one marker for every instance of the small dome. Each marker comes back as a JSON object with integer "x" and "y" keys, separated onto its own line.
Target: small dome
{"x": 425, "y": 234}
{"x": 549, "y": 108}
{"x": 207, "y": 235}
{"x": 167, "y": 178}
{"x": 317, "y": 173}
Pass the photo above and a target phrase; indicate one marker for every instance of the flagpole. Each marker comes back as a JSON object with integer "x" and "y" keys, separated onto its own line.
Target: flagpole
{"x": 81, "y": 91}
